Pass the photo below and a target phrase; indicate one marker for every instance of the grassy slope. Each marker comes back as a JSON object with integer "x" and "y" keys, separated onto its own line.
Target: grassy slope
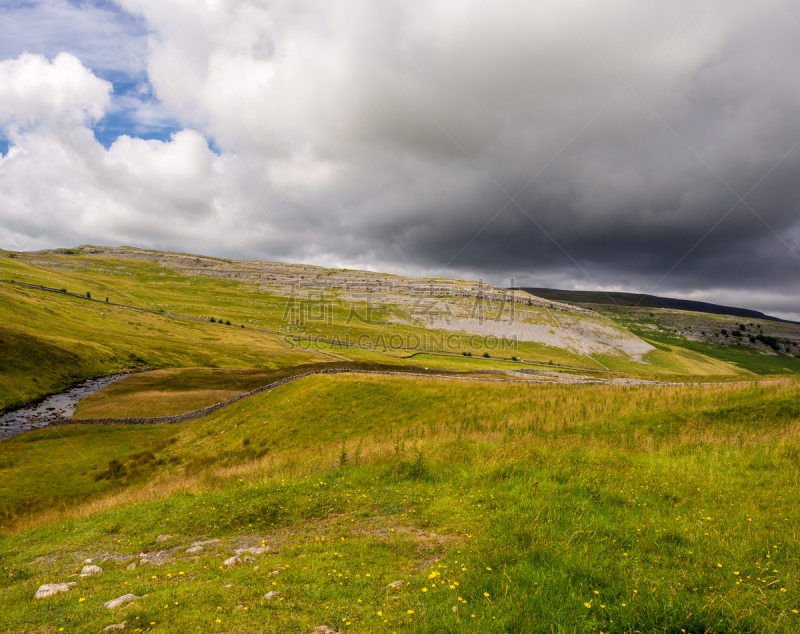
{"x": 50, "y": 341}
{"x": 148, "y": 285}
{"x": 740, "y": 358}
{"x": 571, "y": 509}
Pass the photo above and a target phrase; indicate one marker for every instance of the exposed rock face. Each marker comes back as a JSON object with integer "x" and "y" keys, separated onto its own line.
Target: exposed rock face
{"x": 49, "y": 589}
{"x": 115, "y": 603}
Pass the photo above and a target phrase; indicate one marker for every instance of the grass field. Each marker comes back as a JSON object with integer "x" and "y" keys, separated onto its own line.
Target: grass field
{"x": 576, "y": 508}
{"x": 500, "y": 507}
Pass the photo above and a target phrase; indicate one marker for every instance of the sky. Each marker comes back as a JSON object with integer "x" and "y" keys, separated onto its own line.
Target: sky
{"x": 631, "y": 145}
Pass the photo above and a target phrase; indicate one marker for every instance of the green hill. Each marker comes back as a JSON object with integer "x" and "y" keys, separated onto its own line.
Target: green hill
{"x": 558, "y": 484}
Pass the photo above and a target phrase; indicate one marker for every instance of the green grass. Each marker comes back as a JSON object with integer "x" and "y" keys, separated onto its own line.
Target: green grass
{"x": 51, "y": 341}
{"x": 503, "y": 507}
{"x": 740, "y": 357}
{"x": 644, "y": 507}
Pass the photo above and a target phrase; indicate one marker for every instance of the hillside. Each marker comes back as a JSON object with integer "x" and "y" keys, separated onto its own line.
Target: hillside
{"x": 640, "y": 300}
{"x": 387, "y": 454}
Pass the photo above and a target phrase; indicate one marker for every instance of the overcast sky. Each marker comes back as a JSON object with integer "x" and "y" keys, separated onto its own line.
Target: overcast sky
{"x": 634, "y": 145}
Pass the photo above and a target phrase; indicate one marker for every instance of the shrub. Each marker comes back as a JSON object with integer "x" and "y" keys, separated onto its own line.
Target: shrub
{"x": 486, "y": 355}
{"x": 88, "y": 295}
{"x": 227, "y": 322}
{"x": 212, "y": 320}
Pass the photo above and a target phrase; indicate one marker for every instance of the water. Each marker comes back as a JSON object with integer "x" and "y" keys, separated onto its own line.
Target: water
{"x": 52, "y": 408}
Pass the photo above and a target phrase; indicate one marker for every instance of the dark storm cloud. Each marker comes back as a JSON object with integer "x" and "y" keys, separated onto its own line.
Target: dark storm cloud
{"x": 395, "y": 136}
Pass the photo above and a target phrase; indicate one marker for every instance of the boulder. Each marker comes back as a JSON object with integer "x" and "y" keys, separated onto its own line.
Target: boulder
{"x": 87, "y": 571}
{"x": 115, "y": 603}
{"x": 232, "y": 561}
{"x": 131, "y": 566}
{"x": 253, "y": 551}
{"x": 49, "y": 589}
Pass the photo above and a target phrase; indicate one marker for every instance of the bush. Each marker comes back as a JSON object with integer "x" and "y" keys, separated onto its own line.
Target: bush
{"x": 212, "y": 320}
{"x": 486, "y": 355}
{"x": 227, "y": 322}
{"x": 88, "y": 295}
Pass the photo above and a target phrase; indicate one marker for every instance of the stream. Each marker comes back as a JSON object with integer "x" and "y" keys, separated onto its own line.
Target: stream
{"x": 54, "y": 407}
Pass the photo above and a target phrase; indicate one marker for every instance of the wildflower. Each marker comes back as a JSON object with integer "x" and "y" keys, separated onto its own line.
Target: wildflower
{"x": 82, "y": 599}
{"x": 587, "y": 605}
{"x": 380, "y": 613}
{"x": 486, "y": 594}
{"x": 596, "y": 592}
{"x": 411, "y": 611}
{"x": 424, "y": 589}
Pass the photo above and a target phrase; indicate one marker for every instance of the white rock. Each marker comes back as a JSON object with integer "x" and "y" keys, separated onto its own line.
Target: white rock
{"x": 91, "y": 570}
{"x": 163, "y": 538}
{"x": 115, "y": 603}
{"x": 206, "y": 543}
{"x": 49, "y": 589}
{"x": 253, "y": 551}
{"x": 275, "y": 572}
{"x": 88, "y": 561}
{"x": 395, "y": 584}
{"x": 131, "y": 566}
{"x": 233, "y": 561}
{"x": 116, "y": 626}
{"x": 194, "y": 549}
{"x": 271, "y": 595}
{"x": 249, "y": 560}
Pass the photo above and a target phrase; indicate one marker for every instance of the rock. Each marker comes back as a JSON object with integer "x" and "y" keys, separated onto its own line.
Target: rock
{"x": 238, "y": 607}
{"x": 88, "y": 561}
{"x": 194, "y": 549}
{"x": 115, "y": 603}
{"x": 275, "y": 572}
{"x": 271, "y": 595}
{"x": 91, "y": 570}
{"x": 163, "y": 538}
{"x": 249, "y": 560}
{"x": 116, "y": 626}
{"x": 49, "y": 589}
{"x": 395, "y": 584}
{"x": 253, "y": 551}
{"x": 131, "y": 566}
{"x": 324, "y": 629}
{"x": 233, "y": 561}
{"x": 206, "y": 543}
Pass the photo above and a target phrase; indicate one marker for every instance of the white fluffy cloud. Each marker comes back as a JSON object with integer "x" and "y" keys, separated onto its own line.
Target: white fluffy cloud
{"x": 37, "y": 92}
{"x": 395, "y": 132}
